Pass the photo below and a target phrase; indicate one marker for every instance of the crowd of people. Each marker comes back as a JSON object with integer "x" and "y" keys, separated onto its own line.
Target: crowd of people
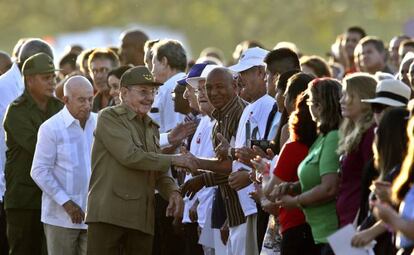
{"x": 139, "y": 150}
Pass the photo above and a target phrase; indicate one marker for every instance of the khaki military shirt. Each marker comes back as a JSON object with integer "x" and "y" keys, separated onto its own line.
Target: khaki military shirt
{"x": 127, "y": 167}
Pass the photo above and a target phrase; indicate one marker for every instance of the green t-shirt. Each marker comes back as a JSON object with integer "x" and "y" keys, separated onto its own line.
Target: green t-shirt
{"x": 322, "y": 159}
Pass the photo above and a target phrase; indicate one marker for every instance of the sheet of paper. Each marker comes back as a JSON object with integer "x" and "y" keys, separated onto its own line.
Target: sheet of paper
{"x": 340, "y": 242}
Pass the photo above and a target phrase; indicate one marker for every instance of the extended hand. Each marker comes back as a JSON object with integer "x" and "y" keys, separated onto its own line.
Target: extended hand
{"x": 280, "y": 190}
{"x": 223, "y": 148}
{"x": 75, "y": 212}
{"x": 181, "y": 131}
{"x": 244, "y": 155}
{"x": 239, "y": 179}
{"x": 260, "y": 164}
{"x": 286, "y": 201}
{"x": 384, "y": 212}
{"x": 268, "y": 154}
{"x": 382, "y": 191}
{"x": 269, "y": 207}
{"x": 175, "y": 206}
{"x": 188, "y": 161}
{"x": 192, "y": 186}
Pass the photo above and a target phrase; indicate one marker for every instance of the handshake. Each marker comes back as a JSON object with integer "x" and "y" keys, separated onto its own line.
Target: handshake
{"x": 187, "y": 162}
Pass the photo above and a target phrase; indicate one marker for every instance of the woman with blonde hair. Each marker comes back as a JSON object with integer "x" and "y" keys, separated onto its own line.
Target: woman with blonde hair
{"x": 356, "y": 135}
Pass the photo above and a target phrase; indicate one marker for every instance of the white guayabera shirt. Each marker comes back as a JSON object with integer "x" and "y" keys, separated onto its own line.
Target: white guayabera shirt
{"x": 62, "y": 166}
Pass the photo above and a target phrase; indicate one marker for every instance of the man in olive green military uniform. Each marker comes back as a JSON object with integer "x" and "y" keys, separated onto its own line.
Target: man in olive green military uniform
{"x": 21, "y": 123}
{"x": 127, "y": 167}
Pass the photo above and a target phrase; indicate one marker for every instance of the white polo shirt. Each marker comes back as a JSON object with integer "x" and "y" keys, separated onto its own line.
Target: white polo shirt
{"x": 257, "y": 113}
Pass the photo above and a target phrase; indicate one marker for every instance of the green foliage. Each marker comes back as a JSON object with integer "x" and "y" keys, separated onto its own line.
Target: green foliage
{"x": 311, "y": 24}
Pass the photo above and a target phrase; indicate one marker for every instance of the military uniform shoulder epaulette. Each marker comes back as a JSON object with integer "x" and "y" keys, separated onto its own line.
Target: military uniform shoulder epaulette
{"x": 155, "y": 124}
{"x": 118, "y": 109}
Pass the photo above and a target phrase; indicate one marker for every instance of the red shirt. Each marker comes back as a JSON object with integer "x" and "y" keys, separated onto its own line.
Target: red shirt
{"x": 286, "y": 169}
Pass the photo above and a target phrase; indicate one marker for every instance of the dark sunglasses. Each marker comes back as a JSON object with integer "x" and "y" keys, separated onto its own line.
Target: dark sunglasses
{"x": 378, "y": 108}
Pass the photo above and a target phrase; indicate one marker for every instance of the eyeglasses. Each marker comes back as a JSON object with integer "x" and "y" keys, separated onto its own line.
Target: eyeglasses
{"x": 145, "y": 92}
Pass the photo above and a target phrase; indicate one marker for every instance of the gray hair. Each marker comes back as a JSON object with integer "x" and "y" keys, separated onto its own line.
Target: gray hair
{"x": 73, "y": 82}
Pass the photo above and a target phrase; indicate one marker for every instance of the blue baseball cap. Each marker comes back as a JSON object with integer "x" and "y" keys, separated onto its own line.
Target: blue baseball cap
{"x": 195, "y": 71}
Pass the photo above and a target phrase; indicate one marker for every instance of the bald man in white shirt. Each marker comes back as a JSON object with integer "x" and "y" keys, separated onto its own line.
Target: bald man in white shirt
{"x": 62, "y": 168}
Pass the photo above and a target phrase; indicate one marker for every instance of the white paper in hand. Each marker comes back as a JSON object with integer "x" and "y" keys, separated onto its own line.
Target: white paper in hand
{"x": 340, "y": 242}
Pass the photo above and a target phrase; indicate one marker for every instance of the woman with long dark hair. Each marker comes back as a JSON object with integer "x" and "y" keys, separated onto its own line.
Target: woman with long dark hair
{"x": 389, "y": 151}
{"x": 402, "y": 196}
{"x": 317, "y": 187}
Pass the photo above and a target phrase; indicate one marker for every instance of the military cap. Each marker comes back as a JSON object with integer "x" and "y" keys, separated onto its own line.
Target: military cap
{"x": 38, "y": 64}
{"x": 139, "y": 75}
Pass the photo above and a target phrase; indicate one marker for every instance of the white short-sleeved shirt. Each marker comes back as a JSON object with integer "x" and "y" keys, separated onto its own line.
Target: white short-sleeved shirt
{"x": 257, "y": 113}
{"x": 62, "y": 166}
{"x": 162, "y": 111}
{"x": 201, "y": 146}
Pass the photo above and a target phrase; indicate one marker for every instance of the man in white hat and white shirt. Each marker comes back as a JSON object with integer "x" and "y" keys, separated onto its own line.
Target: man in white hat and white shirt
{"x": 389, "y": 93}
{"x": 252, "y": 125}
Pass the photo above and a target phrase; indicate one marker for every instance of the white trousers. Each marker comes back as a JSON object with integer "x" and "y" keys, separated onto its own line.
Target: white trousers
{"x": 243, "y": 238}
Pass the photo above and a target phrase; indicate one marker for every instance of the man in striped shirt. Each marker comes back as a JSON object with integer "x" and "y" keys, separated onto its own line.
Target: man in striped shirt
{"x": 221, "y": 91}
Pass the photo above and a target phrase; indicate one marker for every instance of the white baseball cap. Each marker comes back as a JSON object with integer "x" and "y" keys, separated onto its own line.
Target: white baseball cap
{"x": 391, "y": 92}
{"x": 193, "y": 82}
{"x": 250, "y": 58}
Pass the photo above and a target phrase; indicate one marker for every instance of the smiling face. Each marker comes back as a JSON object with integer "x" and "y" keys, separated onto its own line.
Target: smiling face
{"x": 204, "y": 105}
{"x": 190, "y": 96}
{"x": 220, "y": 87}
{"x": 139, "y": 98}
